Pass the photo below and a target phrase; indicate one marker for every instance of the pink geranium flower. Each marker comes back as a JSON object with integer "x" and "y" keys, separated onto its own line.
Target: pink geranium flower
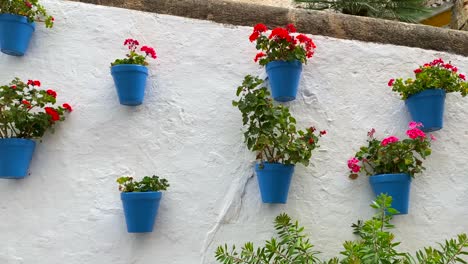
{"x": 389, "y": 140}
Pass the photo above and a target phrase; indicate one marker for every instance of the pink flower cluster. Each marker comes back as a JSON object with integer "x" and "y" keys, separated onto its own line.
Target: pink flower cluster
{"x": 149, "y": 51}
{"x": 389, "y": 140}
{"x": 414, "y": 131}
{"x": 440, "y": 63}
{"x": 353, "y": 165}
{"x": 131, "y": 43}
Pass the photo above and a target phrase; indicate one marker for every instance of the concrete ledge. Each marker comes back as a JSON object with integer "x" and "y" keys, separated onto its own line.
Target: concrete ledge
{"x": 313, "y": 22}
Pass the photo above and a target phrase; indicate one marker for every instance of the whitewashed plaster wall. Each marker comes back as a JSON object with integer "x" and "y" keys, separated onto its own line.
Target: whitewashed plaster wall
{"x": 69, "y": 211}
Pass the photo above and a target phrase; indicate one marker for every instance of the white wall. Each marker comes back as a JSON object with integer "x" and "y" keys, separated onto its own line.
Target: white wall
{"x": 69, "y": 211}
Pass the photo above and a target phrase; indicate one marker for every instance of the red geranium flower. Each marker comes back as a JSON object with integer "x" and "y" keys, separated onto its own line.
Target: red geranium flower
{"x": 52, "y": 113}
{"x": 260, "y": 28}
{"x": 418, "y": 70}
{"x": 67, "y": 107}
{"x": 323, "y": 132}
{"x": 462, "y": 76}
{"x": 52, "y": 93}
{"x": 37, "y": 83}
{"x": 26, "y": 103}
{"x": 390, "y": 83}
{"x": 28, "y": 4}
{"x": 13, "y": 87}
{"x": 254, "y": 36}
{"x": 311, "y": 140}
{"x": 258, "y": 56}
{"x": 291, "y": 28}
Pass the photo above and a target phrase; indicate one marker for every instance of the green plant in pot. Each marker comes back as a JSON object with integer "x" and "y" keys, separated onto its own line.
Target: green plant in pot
{"x": 391, "y": 163}
{"x": 130, "y": 73}
{"x": 17, "y": 24}
{"x": 26, "y": 113}
{"x": 376, "y": 245}
{"x": 271, "y": 133}
{"x": 140, "y": 201}
{"x": 425, "y": 95}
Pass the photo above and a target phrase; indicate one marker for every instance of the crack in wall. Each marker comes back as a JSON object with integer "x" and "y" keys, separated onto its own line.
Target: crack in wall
{"x": 230, "y": 211}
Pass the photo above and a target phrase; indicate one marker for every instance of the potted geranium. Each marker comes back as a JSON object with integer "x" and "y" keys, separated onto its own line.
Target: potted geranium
{"x": 283, "y": 53}
{"x": 140, "y": 201}
{"x": 131, "y": 72}
{"x": 17, "y": 23}
{"x": 425, "y": 95}
{"x": 271, "y": 133}
{"x": 26, "y": 113}
{"x": 392, "y": 163}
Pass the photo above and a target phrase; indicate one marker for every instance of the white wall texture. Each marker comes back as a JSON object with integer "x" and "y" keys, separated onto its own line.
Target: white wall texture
{"x": 69, "y": 211}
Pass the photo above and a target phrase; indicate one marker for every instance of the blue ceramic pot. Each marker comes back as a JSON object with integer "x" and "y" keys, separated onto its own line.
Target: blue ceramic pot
{"x": 141, "y": 209}
{"x": 396, "y": 185}
{"x": 284, "y": 79}
{"x": 130, "y": 82}
{"x": 15, "y": 34}
{"x": 274, "y": 180}
{"x": 15, "y": 156}
{"x": 427, "y": 107}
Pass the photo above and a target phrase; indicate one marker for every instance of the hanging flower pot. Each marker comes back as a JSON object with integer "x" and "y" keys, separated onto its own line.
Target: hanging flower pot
{"x": 425, "y": 95}
{"x": 15, "y": 34}
{"x": 140, "y": 210}
{"x": 17, "y": 25}
{"x": 27, "y": 113}
{"x": 130, "y": 82}
{"x": 391, "y": 163}
{"x": 284, "y": 79}
{"x": 427, "y": 107}
{"x": 273, "y": 135}
{"x": 274, "y": 180}
{"x": 130, "y": 73}
{"x": 140, "y": 201}
{"x": 395, "y": 185}
{"x": 15, "y": 156}
{"x": 283, "y": 53}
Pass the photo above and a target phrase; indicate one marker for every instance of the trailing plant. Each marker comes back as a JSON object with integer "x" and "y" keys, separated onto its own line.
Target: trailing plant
{"x": 271, "y": 129}
{"x": 147, "y": 184}
{"x": 133, "y": 57}
{"x": 376, "y": 245}
{"x": 392, "y": 155}
{"x": 281, "y": 44}
{"x": 31, "y": 9}
{"x": 26, "y": 111}
{"x": 433, "y": 75}
{"x": 402, "y": 10}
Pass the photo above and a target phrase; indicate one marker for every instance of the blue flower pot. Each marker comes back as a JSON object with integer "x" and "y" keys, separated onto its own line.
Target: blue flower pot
{"x": 284, "y": 79}
{"x": 427, "y": 107}
{"x": 130, "y": 82}
{"x": 140, "y": 210}
{"x": 15, "y": 156}
{"x": 15, "y": 34}
{"x": 396, "y": 185}
{"x": 274, "y": 180}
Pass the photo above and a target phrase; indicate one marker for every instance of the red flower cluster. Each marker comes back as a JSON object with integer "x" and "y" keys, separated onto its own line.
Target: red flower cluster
{"x": 54, "y": 115}
{"x": 258, "y": 29}
{"x": 34, "y": 83}
{"x": 287, "y": 42}
{"x": 13, "y": 87}
{"x": 259, "y": 55}
{"x": 149, "y": 51}
{"x": 131, "y": 43}
{"x": 67, "y": 107}
{"x": 28, "y": 4}
{"x": 440, "y": 63}
{"x": 52, "y": 93}
{"x": 26, "y": 103}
